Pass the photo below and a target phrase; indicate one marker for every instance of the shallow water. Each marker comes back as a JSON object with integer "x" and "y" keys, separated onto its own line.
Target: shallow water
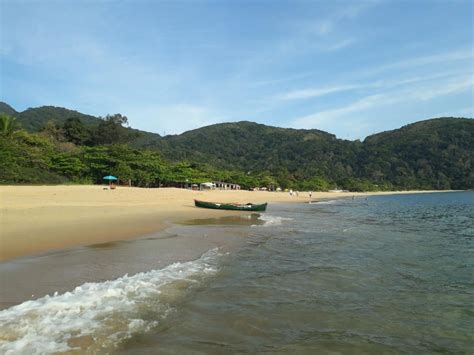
{"x": 387, "y": 274}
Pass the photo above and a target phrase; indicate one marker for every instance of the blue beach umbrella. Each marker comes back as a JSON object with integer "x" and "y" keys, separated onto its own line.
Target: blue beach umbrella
{"x": 109, "y": 177}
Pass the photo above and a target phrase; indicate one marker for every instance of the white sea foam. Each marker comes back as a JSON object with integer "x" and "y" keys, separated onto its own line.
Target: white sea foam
{"x": 98, "y": 316}
{"x": 326, "y": 202}
{"x": 468, "y": 231}
{"x": 272, "y": 220}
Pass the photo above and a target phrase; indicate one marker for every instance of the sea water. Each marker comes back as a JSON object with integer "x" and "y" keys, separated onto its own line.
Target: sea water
{"x": 384, "y": 274}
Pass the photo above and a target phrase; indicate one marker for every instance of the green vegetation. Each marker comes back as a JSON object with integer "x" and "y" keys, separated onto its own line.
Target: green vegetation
{"x": 34, "y": 119}
{"x": 432, "y": 154}
{"x": 56, "y": 145}
{"x": 7, "y": 125}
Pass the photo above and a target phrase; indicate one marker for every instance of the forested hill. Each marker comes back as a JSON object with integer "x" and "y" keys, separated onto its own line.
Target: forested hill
{"x": 251, "y": 146}
{"x": 5, "y": 108}
{"x": 34, "y": 119}
{"x": 436, "y": 153}
{"x": 431, "y": 154}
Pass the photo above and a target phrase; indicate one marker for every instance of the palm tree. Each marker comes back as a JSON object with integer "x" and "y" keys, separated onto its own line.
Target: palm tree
{"x": 7, "y": 125}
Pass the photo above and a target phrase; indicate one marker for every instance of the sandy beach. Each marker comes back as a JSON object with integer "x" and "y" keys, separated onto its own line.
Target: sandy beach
{"x": 135, "y": 270}
{"x": 34, "y": 219}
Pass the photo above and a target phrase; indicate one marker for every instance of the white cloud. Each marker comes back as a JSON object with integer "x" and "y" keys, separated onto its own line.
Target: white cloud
{"x": 284, "y": 79}
{"x": 447, "y": 89}
{"x": 446, "y": 57}
{"x": 309, "y": 93}
{"x": 316, "y": 92}
{"x": 335, "y": 46}
{"x": 325, "y": 116}
{"x": 421, "y": 93}
{"x": 321, "y": 28}
{"x": 344, "y": 13}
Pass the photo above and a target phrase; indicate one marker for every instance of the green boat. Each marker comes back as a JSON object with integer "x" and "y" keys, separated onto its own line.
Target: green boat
{"x": 231, "y": 206}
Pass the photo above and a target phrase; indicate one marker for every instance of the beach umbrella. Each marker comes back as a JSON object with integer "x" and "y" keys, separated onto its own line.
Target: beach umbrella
{"x": 110, "y": 178}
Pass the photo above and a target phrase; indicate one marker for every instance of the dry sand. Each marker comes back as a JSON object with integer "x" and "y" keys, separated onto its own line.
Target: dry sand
{"x": 35, "y": 219}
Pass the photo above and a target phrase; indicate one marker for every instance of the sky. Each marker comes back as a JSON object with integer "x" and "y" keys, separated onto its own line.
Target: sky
{"x": 351, "y": 68}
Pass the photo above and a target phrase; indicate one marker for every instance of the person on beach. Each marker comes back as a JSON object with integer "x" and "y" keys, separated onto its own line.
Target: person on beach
{"x": 310, "y": 194}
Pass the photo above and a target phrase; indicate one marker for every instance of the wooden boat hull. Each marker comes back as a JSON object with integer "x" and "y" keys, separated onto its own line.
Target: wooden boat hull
{"x": 231, "y": 206}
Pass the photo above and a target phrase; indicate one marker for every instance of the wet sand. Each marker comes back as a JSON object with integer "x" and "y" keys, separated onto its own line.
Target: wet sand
{"x": 32, "y": 277}
{"x": 35, "y": 219}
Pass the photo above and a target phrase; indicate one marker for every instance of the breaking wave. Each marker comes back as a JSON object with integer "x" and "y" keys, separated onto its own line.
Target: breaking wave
{"x": 99, "y": 316}
{"x": 270, "y": 220}
{"x": 324, "y": 202}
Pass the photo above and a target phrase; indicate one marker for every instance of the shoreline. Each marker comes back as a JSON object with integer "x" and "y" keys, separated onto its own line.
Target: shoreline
{"x": 58, "y": 271}
{"x": 38, "y": 219}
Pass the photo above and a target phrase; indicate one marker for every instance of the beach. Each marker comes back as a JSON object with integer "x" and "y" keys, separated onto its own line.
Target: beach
{"x": 386, "y": 274}
{"x": 35, "y": 219}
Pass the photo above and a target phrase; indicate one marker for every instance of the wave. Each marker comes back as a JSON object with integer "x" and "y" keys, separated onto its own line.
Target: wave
{"x": 325, "y": 202}
{"x": 98, "y": 316}
{"x": 270, "y": 220}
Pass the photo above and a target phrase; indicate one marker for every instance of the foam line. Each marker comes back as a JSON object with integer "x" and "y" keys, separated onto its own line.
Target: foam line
{"x": 102, "y": 313}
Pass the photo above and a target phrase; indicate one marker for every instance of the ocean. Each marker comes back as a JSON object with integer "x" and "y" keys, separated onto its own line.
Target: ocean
{"x": 384, "y": 274}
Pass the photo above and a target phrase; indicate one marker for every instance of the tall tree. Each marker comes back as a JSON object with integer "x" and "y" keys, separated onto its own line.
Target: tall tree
{"x": 53, "y": 131}
{"x": 111, "y": 131}
{"x": 75, "y": 131}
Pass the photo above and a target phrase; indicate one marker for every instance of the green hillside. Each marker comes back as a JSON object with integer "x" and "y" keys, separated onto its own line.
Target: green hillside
{"x": 431, "y": 154}
{"x": 34, "y": 119}
{"x": 5, "y": 108}
{"x": 252, "y": 147}
{"x": 436, "y": 153}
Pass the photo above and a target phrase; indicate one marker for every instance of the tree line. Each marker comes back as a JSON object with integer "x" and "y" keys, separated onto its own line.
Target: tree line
{"x": 74, "y": 153}
{"x": 433, "y": 154}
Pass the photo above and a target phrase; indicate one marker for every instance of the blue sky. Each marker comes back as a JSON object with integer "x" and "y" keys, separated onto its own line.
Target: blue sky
{"x": 351, "y": 68}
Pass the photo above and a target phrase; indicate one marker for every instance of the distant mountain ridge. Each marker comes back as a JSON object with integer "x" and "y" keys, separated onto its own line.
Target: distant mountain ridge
{"x": 435, "y": 153}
